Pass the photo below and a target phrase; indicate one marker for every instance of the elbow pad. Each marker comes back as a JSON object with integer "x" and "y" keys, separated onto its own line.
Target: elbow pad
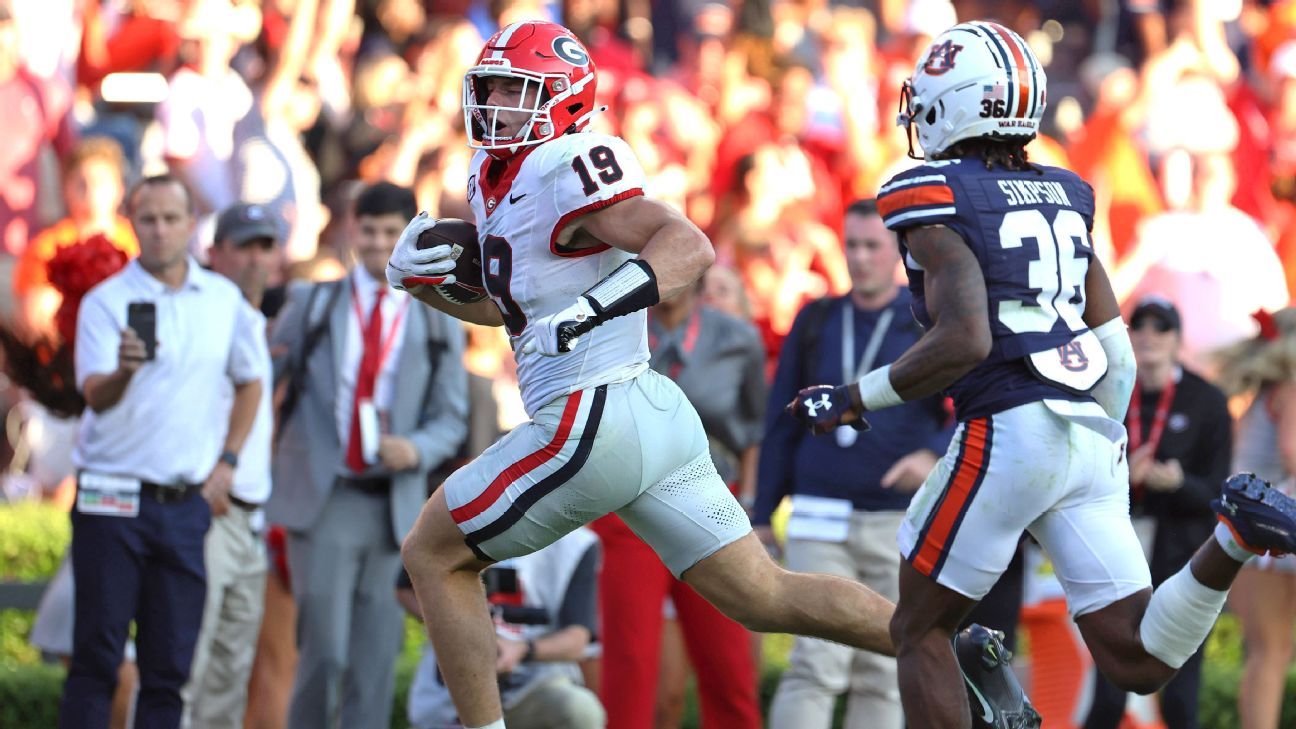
{"x": 1113, "y": 392}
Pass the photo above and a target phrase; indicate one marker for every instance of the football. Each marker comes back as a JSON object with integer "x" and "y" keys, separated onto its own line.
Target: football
{"x": 461, "y": 236}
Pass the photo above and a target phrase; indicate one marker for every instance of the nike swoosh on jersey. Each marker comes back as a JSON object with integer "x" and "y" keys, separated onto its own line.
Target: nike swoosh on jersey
{"x": 987, "y": 714}
{"x": 513, "y": 200}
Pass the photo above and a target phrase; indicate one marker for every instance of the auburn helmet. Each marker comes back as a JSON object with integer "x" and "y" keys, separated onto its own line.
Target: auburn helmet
{"x": 977, "y": 79}
{"x": 558, "y": 81}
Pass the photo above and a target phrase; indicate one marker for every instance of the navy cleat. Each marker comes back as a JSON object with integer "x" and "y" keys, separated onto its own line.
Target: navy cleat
{"x": 996, "y": 698}
{"x": 1262, "y": 518}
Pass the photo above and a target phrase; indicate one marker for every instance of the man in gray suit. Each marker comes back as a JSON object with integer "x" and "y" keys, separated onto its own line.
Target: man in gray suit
{"x": 377, "y": 397}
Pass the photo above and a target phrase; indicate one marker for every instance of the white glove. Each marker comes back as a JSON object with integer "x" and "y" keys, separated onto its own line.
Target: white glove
{"x": 409, "y": 267}
{"x": 560, "y": 333}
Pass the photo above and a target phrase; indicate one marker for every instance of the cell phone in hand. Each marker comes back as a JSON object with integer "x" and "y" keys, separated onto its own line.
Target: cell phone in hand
{"x": 141, "y": 317}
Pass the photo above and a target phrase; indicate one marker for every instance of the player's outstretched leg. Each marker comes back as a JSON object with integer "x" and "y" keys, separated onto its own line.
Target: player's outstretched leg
{"x": 995, "y": 695}
{"x": 744, "y": 583}
{"x": 446, "y": 578}
{"x": 1139, "y": 642}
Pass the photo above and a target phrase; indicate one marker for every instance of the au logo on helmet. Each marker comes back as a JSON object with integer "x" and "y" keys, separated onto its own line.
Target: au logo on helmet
{"x": 941, "y": 58}
{"x": 569, "y": 49}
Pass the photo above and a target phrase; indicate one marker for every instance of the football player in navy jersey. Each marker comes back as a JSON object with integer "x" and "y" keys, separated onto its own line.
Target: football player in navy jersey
{"x": 1024, "y": 333}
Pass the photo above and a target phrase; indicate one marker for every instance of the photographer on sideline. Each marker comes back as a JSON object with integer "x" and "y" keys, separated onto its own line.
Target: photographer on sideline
{"x": 544, "y": 606}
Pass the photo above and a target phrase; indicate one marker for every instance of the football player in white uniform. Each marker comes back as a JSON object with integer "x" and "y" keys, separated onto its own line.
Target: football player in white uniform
{"x": 573, "y": 255}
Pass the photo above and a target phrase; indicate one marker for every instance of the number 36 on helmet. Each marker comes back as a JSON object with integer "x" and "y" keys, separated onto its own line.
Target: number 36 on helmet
{"x": 977, "y": 79}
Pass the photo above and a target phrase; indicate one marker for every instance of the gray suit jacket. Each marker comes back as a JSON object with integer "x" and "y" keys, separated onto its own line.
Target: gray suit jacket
{"x": 432, "y": 414}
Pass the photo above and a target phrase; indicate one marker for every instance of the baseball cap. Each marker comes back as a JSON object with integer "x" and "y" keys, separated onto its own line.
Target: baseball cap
{"x": 1159, "y": 308}
{"x": 244, "y": 222}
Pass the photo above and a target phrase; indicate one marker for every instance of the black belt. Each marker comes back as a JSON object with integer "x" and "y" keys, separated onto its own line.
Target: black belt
{"x": 168, "y": 494}
{"x": 379, "y": 485}
{"x": 244, "y": 505}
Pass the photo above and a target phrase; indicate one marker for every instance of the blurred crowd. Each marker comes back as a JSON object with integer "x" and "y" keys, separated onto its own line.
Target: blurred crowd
{"x": 762, "y": 120}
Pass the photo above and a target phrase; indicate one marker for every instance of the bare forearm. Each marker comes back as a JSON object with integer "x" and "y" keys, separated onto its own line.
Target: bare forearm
{"x": 247, "y": 396}
{"x": 928, "y": 367}
{"x": 568, "y": 644}
{"x": 959, "y": 337}
{"x": 679, "y": 254}
{"x": 484, "y": 313}
{"x": 104, "y": 391}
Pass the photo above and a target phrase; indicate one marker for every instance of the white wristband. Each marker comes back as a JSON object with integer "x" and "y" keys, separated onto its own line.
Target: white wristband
{"x": 876, "y": 391}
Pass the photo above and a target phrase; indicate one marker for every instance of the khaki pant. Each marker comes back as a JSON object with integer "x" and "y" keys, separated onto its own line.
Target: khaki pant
{"x": 557, "y": 704}
{"x": 216, "y": 695}
{"x": 819, "y": 671}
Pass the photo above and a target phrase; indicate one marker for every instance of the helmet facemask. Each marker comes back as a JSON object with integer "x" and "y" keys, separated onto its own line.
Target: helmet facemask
{"x": 539, "y": 94}
{"x": 482, "y": 118}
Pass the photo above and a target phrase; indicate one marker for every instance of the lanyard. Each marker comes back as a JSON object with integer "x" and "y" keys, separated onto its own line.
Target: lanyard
{"x": 1134, "y": 420}
{"x": 870, "y": 349}
{"x": 385, "y": 344}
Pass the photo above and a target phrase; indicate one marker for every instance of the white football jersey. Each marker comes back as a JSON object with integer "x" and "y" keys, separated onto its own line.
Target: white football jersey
{"x": 530, "y": 274}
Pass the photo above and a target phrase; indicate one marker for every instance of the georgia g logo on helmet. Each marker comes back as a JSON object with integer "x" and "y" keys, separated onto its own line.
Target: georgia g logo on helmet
{"x": 569, "y": 49}
{"x": 941, "y": 58}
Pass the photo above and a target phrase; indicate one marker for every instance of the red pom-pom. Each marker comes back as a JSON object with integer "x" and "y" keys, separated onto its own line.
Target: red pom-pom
{"x": 1268, "y": 326}
{"x": 76, "y": 269}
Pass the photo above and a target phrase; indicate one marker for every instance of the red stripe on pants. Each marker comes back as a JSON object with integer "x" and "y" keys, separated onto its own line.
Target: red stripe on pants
{"x": 633, "y": 584}
{"x": 487, "y": 498}
{"x": 957, "y": 497}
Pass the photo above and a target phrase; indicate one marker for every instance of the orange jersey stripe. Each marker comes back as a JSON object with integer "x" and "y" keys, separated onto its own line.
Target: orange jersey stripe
{"x": 1023, "y": 72}
{"x": 893, "y": 202}
{"x": 956, "y": 498}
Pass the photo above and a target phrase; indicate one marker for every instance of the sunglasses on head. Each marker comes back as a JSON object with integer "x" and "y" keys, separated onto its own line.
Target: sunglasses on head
{"x": 1161, "y": 325}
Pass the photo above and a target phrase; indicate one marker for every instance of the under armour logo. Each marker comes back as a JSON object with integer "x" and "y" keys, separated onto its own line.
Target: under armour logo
{"x": 813, "y": 407}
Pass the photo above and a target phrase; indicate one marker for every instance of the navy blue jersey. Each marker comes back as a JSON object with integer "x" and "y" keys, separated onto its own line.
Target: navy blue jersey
{"x": 1030, "y": 233}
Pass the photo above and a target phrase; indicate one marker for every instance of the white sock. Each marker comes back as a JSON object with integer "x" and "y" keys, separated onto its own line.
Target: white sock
{"x": 1229, "y": 544}
{"x": 497, "y": 724}
{"x": 1179, "y": 617}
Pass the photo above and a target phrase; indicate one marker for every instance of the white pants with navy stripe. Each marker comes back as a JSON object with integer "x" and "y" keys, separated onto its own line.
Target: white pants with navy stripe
{"x": 1057, "y": 470}
{"x": 636, "y": 448}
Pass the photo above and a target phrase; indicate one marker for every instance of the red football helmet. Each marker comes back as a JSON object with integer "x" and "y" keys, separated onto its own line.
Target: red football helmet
{"x": 558, "y": 81}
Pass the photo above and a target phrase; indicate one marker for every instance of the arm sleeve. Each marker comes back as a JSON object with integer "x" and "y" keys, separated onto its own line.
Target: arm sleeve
{"x": 921, "y": 196}
{"x": 444, "y": 422}
{"x": 580, "y": 604}
{"x": 753, "y": 391}
{"x": 590, "y": 172}
{"x": 98, "y": 335}
{"x": 774, "y": 471}
{"x": 248, "y": 348}
{"x": 1114, "y": 390}
{"x": 1213, "y": 455}
{"x": 288, "y": 332}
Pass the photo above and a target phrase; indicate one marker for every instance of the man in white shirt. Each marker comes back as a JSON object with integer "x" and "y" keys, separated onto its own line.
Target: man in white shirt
{"x": 379, "y": 398}
{"x": 216, "y": 695}
{"x": 160, "y": 430}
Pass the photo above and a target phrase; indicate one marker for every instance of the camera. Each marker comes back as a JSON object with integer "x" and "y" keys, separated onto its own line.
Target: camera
{"x": 505, "y": 597}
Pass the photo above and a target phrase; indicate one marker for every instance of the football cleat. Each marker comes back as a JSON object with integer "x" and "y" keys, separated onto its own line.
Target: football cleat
{"x": 1262, "y": 518}
{"x": 994, "y": 694}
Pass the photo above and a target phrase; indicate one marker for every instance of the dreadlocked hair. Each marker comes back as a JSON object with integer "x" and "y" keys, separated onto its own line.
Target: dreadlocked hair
{"x": 1008, "y": 154}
